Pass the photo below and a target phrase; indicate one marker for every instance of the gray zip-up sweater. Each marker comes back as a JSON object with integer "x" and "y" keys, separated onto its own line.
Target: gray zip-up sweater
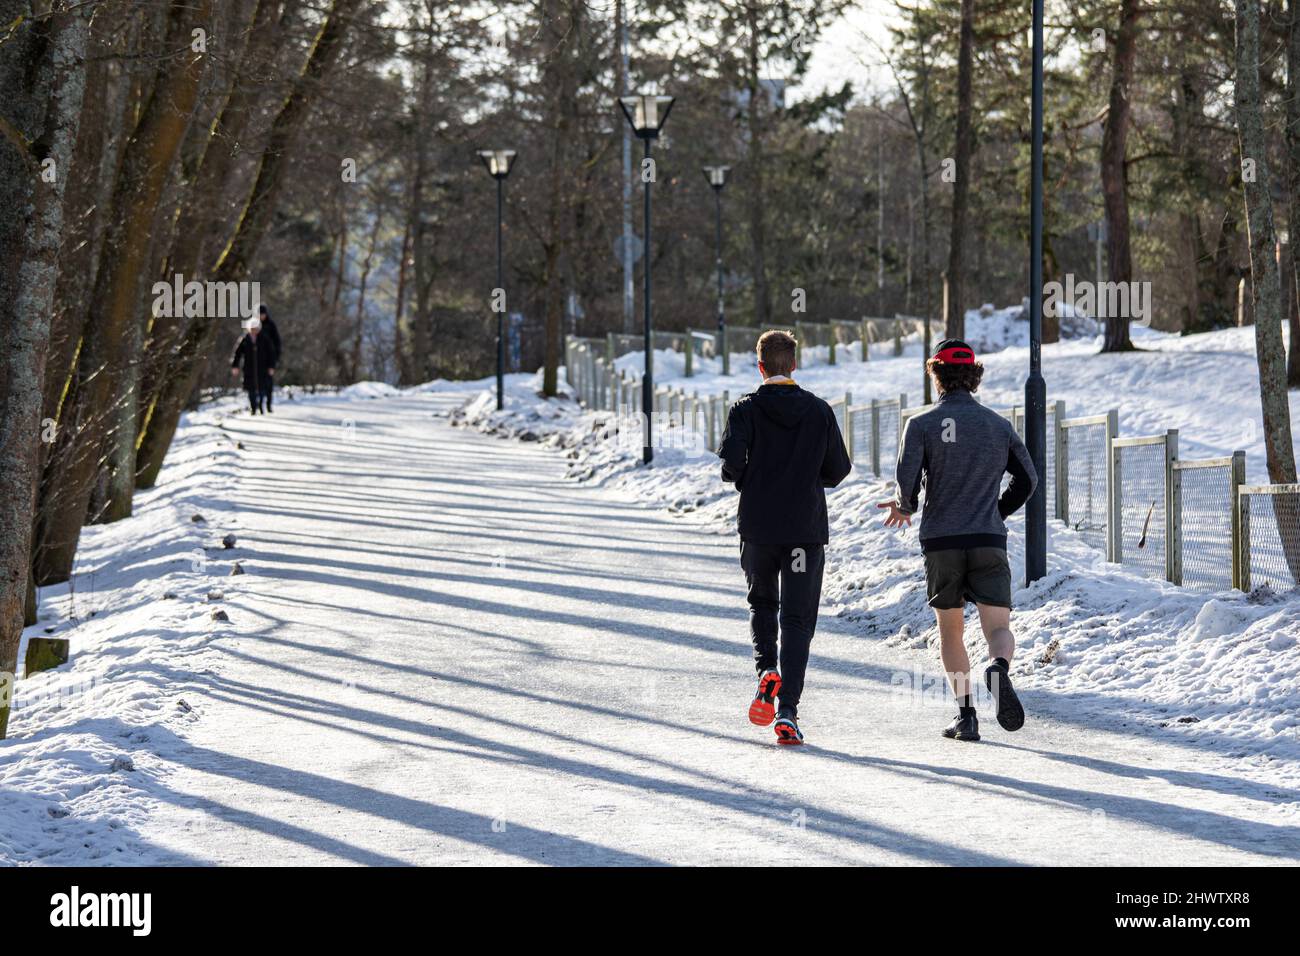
{"x": 958, "y": 451}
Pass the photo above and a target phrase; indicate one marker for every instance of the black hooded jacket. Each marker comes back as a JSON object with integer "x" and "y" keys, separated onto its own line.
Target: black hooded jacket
{"x": 257, "y": 358}
{"x": 782, "y": 448}
{"x": 271, "y": 332}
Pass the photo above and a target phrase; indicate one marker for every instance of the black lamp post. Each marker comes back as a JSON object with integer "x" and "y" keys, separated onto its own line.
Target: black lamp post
{"x": 647, "y": 113}
{"x": 1035, "y": 388}
{"x": 717, "y": 177}
{"x": 498, "y": 163}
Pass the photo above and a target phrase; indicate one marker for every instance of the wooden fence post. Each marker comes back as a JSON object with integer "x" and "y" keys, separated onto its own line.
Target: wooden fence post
{"x": 1113, "y": 546}
{"x": 45, "y": 653}
{"x": 1173, "y": 511}
{"x": 1240, "y": 530}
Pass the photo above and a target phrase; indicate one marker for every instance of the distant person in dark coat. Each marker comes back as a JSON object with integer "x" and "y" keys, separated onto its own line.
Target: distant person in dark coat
{"x": 256, "y": 354}
{"x": 270, "y": 331}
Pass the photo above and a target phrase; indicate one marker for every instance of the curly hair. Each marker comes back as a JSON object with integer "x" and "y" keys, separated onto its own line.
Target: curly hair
{"x": 954, "y": 377}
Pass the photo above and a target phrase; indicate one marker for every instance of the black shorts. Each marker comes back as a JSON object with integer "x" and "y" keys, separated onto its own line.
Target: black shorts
{"x": 954, "y": 576}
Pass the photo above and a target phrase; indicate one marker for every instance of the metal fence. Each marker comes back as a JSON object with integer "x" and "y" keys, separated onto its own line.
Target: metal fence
{"x": 836, "y": 336}
{"x": 1269, "y": 536}
{"x": 1206, "y": 522}
{"x": 1055, "y": 413}
{"x": 1083, "y": 476}
{"x": 1140, "y": 481}
{"x": 1191, "y": 522}
{"x": 840, "y": 408}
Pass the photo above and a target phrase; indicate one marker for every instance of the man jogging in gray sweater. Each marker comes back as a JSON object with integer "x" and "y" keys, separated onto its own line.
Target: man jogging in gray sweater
{"x": 959, "y": 450}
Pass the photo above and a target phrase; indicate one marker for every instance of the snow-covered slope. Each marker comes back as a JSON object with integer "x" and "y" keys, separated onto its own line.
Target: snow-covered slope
{"x": 89, "y": 741}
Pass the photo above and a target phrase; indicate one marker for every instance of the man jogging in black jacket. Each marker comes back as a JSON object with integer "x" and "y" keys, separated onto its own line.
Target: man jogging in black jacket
{"x": 959, "y": 450}
{"x": 782, "y": 448}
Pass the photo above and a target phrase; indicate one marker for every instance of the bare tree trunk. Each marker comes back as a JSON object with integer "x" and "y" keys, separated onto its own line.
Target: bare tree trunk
{"x": 562, "y": 78}
{"x": 955, "y": 320}
{"x": 42, "y": 82}
{"x": 1293, "y": 186}
{"x": 757, "y": 201}
{"x": 401, "y": 354}
{"x": 251, "y": 225}
{"x": 911, "y": 252}
{"x": 926, "y": 280}
{"x": 1114, "y": 170}
{"x": 1266, "y": 287}
{"x": 146, "y": 164}
{"x": 554, "y": 305}
{"x": 200, "y": 217}
{"x": 421, "y": 337}
{"x": 88, "y": 192}
{"x": 359, "y": 332}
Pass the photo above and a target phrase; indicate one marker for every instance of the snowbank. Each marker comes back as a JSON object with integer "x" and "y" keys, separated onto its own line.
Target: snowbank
{"x": 90, "y": 744}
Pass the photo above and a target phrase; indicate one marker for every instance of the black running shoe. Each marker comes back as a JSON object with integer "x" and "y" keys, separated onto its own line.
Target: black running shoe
{"x": 963, "y": 727}
{"x": 787, "y": 731}
{"x": 1011, "y": 715}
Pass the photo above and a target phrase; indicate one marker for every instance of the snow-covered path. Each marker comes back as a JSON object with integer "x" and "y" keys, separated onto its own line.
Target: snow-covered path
{"x": 444, "y": 652}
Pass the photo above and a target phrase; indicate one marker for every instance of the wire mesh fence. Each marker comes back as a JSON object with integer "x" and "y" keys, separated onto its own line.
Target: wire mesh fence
{"x": 1192, "y": 522}
{"x": 839, "y": 408}
{"x": 1083, "y": 491}
{"x": 890, "y": 422}
{"x": 1140, "y": 483}
{"x": 809, "y": 334}
{"x": 1055, "y": 413}
{"x": 1270, "y": 537}
{"x": 742, "y": 338}
{"x": 1205, "y": 520}
{"x": 861, "y": 438}
{"x": 850, "y": 340}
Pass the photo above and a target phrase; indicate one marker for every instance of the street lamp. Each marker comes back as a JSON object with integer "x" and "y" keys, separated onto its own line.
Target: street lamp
{"x": 717, "y": 177}
{"x": 499, "y": 163}
{"x": 646, "y": 113}
{"x": 1035, "y": 388}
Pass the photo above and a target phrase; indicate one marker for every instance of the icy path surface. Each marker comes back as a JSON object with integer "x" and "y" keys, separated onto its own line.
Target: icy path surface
{"x": 444, "y": 652}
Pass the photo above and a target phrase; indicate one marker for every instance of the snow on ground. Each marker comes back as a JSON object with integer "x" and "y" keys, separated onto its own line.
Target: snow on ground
{"x": 82, "y": 768}
{"x": 1219, "y": 670}
{"x": 446, "y": 649}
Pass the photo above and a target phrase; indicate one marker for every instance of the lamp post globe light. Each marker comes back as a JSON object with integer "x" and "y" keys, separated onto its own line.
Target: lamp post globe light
{"x": 717, "y": 178}
{"x": 1035, "y": 388}
{"x": 646, "y": 113}
{"x": 499, "y": 163}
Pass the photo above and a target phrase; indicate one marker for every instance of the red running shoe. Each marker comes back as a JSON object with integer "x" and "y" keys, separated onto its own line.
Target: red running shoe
{"x": 763, "y": 708}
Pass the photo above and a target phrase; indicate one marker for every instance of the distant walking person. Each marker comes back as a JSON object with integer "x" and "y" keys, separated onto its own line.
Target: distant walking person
{"x": 269, "y": 329}
{"x": 273, "y": 333}
{"x": 782, "y": 449}
{"x": 959, "y": 451}
{"x": 256, "y": 354}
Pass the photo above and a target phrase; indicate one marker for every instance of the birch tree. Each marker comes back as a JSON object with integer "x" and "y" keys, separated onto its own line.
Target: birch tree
{"x": 1266, "y": 288}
